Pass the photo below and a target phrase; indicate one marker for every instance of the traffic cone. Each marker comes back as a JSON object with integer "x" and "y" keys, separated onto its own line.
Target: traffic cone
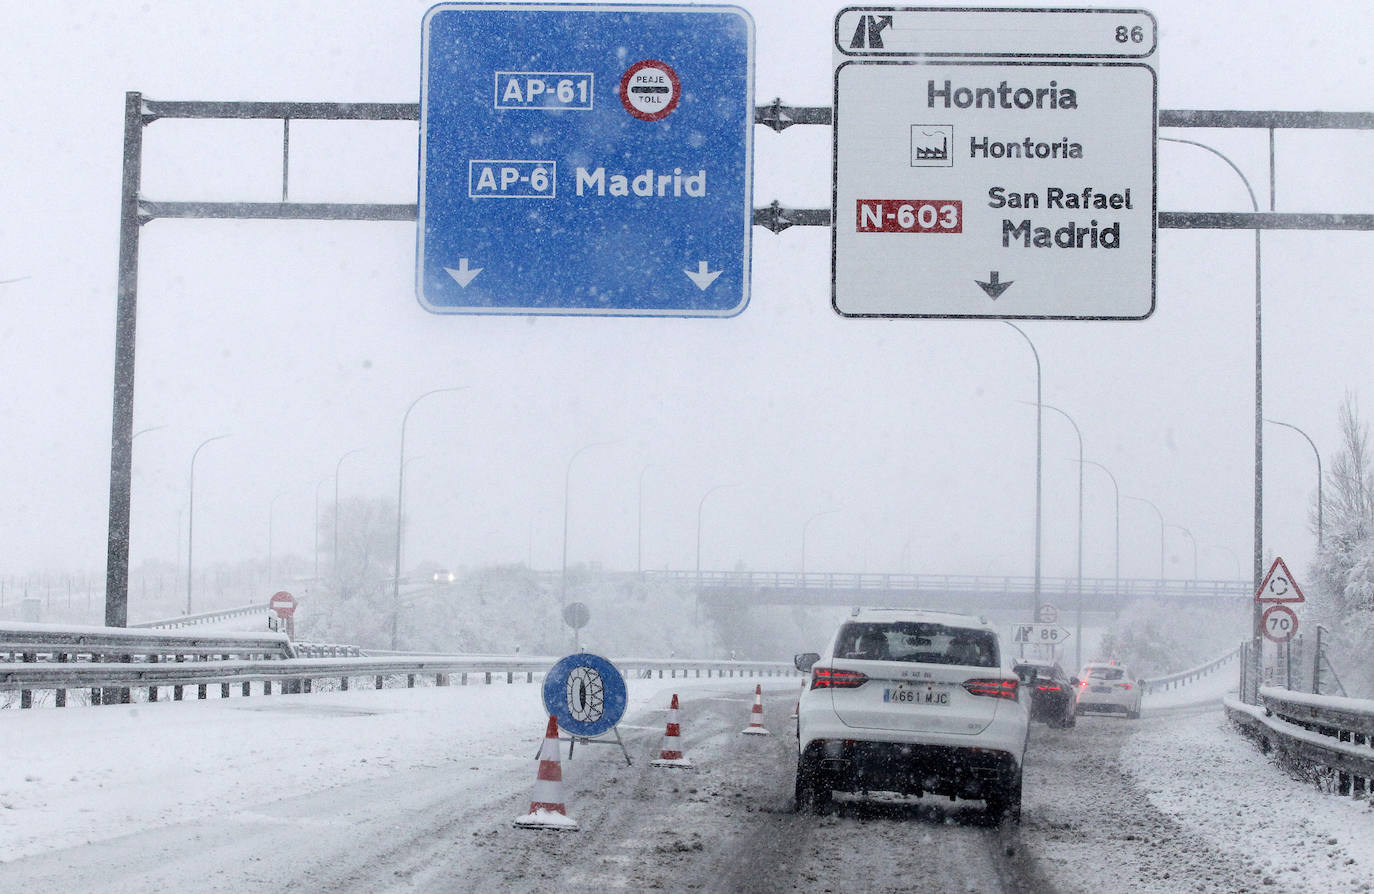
{"x": 670, "y": 755}
{"x": 796, "y": 709}
{"x": 546, "y": 807}
{"x": 756, "y": 727}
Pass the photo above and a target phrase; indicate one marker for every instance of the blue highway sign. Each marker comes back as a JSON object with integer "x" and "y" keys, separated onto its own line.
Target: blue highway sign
{"x": 586, "y": 159}
{"x": 586, "y": 693}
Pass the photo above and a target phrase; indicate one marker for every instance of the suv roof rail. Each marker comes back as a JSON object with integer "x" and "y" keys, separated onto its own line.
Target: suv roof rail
{"x": 856, "y": 610}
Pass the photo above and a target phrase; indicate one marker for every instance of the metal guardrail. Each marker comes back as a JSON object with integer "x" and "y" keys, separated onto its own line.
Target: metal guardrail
{"x": 99, "y": 658}
{"x": 253, "y": 608}
{"x": 1184, "y": 678}
{"x": 1324, "y": 738}
{"x": 957, "y": 583}
{"x": 48, "y": 642}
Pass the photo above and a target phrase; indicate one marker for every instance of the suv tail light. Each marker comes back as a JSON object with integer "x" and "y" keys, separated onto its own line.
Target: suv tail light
{"x": 830, "y": 678}
{"x": 996, "y": 688}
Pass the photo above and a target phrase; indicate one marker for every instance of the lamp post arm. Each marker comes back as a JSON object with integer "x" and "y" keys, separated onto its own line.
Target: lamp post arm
{"x": 1318, "y": 455}
{"x": 400, "y": 501}
{"x": 191, "y": 517}
{"x": 1038, "y": 456}
{"x": 1116, "y": 497}
{"x": 1161, "y": 531}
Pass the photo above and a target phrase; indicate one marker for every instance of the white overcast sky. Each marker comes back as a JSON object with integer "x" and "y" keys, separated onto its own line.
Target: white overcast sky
{"x": 304, "y": 341}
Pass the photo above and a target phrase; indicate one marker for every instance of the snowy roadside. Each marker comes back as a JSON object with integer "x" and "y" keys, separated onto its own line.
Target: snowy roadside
{"x": 78, "y": 775}
{"x": 1201, "y": 772}
{"x": 1180, "y": 802}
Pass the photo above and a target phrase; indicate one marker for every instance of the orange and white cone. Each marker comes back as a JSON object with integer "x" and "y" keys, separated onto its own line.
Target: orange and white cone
{"x": 670, "y": 755}
{"x": 796, "y": 709}
{"x": 546, "y": 807}
{"x": 756, "y": 727}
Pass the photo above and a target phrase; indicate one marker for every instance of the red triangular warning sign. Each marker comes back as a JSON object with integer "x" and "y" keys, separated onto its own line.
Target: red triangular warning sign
{"x": 1279, "y": 585}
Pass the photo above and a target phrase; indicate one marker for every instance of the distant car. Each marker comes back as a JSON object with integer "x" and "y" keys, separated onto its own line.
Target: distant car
{"x": 912, "y": 702}
{"x": 1108, "y": 686}
{"x": 1053, "y": 692}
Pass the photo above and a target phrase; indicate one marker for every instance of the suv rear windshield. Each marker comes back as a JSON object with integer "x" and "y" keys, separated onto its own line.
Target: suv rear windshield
{"x": 1105, "y": 673}
{"x": 917, "y": 642}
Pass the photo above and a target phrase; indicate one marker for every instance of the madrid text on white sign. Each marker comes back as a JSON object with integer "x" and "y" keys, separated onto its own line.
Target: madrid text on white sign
{"x": 995, "y": 163}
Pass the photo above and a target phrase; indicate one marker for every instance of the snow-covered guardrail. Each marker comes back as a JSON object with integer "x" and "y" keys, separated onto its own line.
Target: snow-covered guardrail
{"x": 253, "y": 608}
{"x": 49, "y": 652}
{"x": 42, "y": 657}
{"x": 1324, "y": 737}
{"x": 1184, "y": 678}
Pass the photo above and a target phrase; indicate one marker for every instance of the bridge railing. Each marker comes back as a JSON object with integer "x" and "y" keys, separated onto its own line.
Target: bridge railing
{"x": 1323, "y": 738}
{"x": 48, "y": 658}
{"x": 955, "y": 583}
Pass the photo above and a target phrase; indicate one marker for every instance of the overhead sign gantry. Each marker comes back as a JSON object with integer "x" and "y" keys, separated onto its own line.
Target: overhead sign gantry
{"x": 586, "y": 159}
{"x": 994, "y": 163}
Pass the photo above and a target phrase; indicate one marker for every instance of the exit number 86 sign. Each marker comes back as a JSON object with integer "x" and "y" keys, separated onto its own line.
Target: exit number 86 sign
{"x": 1044, "y": 634}
{"x": 909, "y": 216}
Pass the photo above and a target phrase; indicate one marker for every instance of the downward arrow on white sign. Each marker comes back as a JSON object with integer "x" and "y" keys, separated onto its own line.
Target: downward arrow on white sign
{"x": 463, "y": 275}
{"x": 703, "y": 276}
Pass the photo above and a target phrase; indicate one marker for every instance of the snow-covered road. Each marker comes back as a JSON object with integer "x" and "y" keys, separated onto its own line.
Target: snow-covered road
{"x": 414, "y": 790}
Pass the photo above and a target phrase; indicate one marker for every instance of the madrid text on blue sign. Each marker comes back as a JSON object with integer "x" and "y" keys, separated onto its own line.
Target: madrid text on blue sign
{"x": 586, "y": 160}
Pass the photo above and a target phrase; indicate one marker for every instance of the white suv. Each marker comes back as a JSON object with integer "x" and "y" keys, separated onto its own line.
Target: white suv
{"x": 913, "y": 702}
{"x": 1108, "y": 686}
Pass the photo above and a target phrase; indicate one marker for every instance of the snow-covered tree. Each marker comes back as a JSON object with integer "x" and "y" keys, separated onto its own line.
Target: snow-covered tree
{"x": 1343, "y": 598}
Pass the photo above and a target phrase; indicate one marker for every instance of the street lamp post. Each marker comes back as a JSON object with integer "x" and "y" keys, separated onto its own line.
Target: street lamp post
{"x": 1318, "y": 455}
{"x": 906, "y": 546}
{"x": 1038, "y": 460}
{"x": 191, "y": 519}
{"x": 1235, "y": 560}
{"x": 400, "y": 503}
{"x": 639, "y": 526}
{"x": 1078, "y": 635}
{"x": 806, "y": 525}
{"x": 1257, "y": 565}
{"x": 334, "y": 559}
{"x": 1161, "y": 532}
{"x": 271, "y": 508}
{"x": 567, "y": 488}
{"x": 701, "y": 505}
{"x": 1189, "y": 534}
{"x": 1116, "y": 491}
{"x": 318, "y": 484}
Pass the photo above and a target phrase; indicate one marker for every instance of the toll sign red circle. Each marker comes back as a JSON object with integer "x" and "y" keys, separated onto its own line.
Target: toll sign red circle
{"x": 650, "y": 90}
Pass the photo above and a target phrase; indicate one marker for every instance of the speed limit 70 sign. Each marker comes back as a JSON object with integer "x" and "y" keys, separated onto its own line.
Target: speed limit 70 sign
{"x": 1279, "y": 623}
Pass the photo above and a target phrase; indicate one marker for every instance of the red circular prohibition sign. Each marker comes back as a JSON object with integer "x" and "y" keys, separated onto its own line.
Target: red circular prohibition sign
{"x": 1285, "y": 623}
{"x": 675, "y": 86}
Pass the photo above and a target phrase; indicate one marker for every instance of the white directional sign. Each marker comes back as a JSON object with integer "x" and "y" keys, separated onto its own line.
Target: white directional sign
{"x": 1042, "y": 634}
{"x": 994, "y": 163}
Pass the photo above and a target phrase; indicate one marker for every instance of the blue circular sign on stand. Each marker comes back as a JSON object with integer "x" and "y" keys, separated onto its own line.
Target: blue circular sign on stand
{"x": 586, "y": 693}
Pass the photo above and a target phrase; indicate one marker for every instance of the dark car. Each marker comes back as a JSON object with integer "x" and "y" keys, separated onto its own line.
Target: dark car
{"x": 1052, "y": 692}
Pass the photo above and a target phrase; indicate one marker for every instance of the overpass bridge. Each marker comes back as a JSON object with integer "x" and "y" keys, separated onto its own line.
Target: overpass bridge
{"x": 949, "y": 592}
